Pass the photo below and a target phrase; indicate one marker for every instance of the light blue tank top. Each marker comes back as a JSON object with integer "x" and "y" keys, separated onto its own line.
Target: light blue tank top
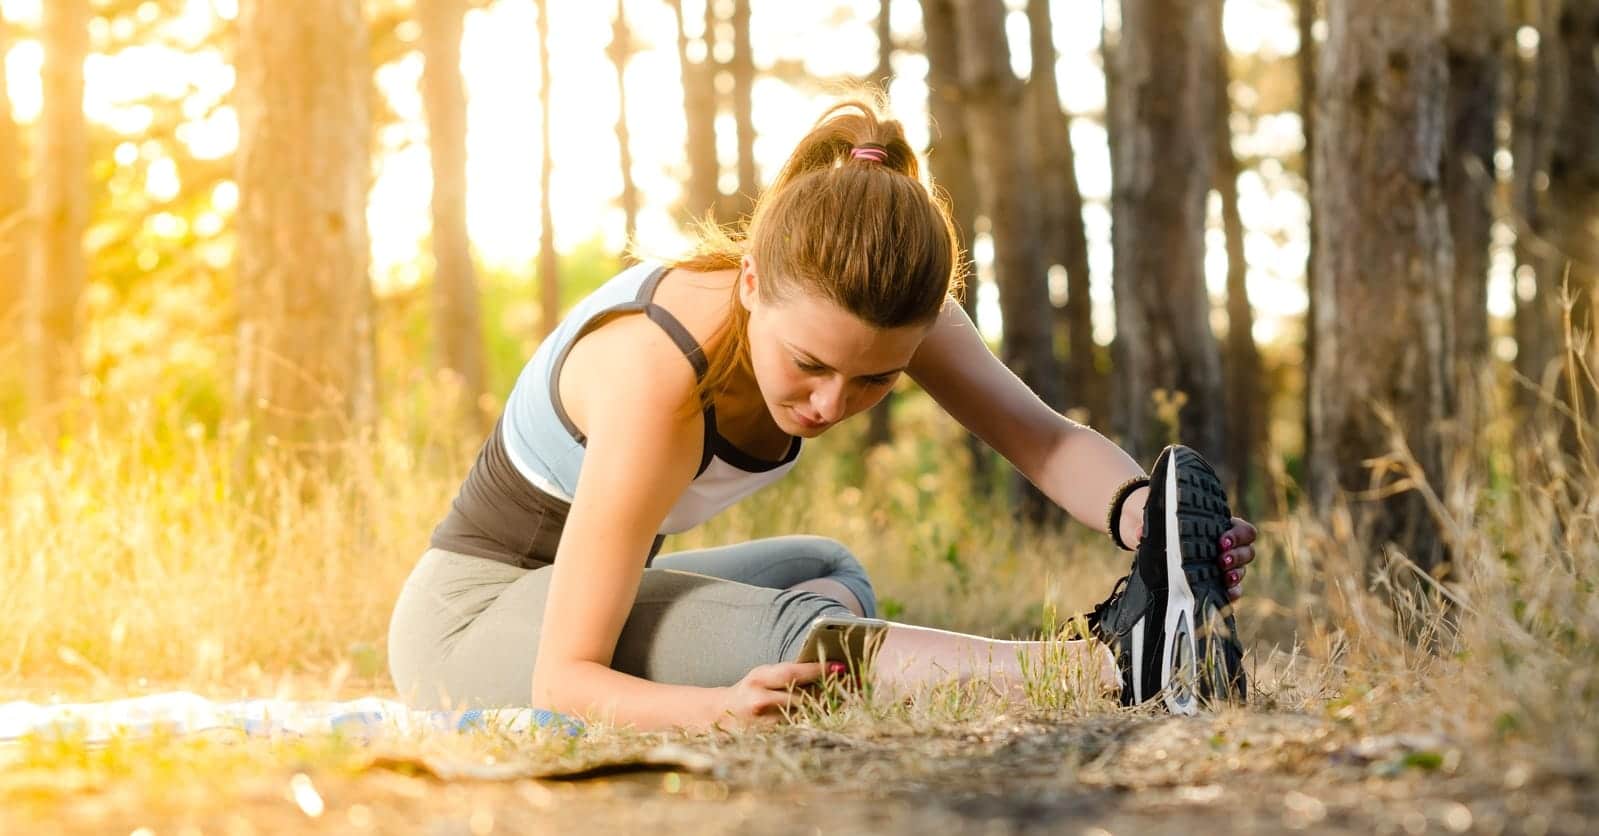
{"x": 547, "y": 449}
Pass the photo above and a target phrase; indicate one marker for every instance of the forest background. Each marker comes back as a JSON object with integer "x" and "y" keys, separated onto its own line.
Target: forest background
{"x": 267, "y": 271}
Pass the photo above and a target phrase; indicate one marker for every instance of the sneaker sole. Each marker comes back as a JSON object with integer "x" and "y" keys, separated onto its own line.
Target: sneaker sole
{"x": 1196, "y": 516}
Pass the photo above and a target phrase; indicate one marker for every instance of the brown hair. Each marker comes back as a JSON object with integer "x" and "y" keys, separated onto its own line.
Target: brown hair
{"x": 868, "y": 236}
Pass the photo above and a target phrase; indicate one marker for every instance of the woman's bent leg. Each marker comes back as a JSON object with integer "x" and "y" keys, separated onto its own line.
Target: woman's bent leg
{"x": 465, "y": 631}
{"x": 445, "y": 593}
{"x": 910, "y": 657}
{"x": 807, "y": 563}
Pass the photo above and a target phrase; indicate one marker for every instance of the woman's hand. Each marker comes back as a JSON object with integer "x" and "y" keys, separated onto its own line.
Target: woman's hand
{"x": 1237, "y": 552}
{"x": 763, "y": 694}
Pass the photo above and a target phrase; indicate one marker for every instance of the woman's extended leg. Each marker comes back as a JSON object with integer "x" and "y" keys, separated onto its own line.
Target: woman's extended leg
{"x": 912, "y": 657}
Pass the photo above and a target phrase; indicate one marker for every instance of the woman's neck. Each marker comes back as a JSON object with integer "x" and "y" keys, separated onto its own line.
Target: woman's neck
{"x": 741, "y": 413}
{"x": 742, "y": 417}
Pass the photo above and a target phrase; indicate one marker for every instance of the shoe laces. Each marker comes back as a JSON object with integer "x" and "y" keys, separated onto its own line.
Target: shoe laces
{"x": 1116, "y": 592}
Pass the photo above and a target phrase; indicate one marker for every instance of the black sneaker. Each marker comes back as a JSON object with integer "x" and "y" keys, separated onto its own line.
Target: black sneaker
{"x": 1168, "y": 621}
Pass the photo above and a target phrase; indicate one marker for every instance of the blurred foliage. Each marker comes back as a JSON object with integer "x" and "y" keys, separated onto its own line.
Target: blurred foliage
{"x": 159, "y": 311}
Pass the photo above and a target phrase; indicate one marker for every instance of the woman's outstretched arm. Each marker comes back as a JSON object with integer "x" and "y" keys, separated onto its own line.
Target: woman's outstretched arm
{"x": 1072, "y": 464}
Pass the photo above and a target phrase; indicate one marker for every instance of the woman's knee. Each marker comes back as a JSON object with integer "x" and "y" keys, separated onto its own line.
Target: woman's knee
{"x": 842, "y": 566}
{"x": 791, "y": 615}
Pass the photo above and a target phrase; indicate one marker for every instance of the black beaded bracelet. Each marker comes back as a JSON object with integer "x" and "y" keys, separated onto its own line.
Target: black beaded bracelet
{"x": 1113, "y": 519}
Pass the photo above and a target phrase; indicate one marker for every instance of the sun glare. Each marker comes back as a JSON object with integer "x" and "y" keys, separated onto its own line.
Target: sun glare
{"x": 503, "y": 143}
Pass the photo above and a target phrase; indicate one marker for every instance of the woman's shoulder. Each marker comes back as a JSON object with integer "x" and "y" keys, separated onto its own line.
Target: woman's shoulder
{"x": 627, "y": 362}
{"x": 698, "y": 300}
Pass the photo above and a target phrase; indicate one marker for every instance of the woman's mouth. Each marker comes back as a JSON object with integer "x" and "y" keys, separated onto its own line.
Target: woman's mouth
{"x": 808, "y": 422}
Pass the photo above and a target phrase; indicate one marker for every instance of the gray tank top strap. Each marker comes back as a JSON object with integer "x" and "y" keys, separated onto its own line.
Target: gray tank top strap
{"x": 660, "y": 316}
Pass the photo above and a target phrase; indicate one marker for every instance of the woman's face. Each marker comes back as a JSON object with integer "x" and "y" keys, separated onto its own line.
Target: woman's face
{"x": 817, "y": 364}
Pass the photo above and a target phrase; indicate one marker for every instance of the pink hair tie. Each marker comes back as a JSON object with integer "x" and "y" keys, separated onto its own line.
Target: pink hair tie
{"x": 869, "y": 152}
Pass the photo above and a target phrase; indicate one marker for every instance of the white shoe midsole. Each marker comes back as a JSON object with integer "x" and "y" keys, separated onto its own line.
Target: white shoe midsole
{"x": 1179, "y": 606}
{"x": 1138, "y": 662}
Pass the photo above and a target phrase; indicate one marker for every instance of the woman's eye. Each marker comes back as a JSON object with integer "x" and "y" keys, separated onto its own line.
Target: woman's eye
{"x": 808, "y": 368}
{"x": 879, "y": 381}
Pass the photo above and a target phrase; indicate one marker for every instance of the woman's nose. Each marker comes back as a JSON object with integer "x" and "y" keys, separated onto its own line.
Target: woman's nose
{"x": 828, "y": 401}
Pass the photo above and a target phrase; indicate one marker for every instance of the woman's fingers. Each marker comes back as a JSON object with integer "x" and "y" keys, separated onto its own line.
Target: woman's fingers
{"x": 774, "y": 702}
{"x": 1235, "y": 583}
{"x": 1239, "y": 533}
{"x": 1237, "y": 552}
{"x": 784, "y": 674}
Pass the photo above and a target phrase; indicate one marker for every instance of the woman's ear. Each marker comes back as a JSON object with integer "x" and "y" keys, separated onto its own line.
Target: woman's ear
{"x": 748, "y": 283}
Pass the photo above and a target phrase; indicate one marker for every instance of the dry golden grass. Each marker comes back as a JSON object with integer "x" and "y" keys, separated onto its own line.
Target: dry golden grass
{"x": 135, "y": 559}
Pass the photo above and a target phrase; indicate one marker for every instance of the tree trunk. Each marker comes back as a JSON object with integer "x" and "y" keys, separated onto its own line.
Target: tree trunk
{"x": 702, "y": 193}
{"x": 949, "y": 161}
{"x": 885, "y": 46}
{"x": 1123, "y": 349}
{"x": 1305, "y": 61}
{"x": 1574, "y": 194}
{"x": 459, "y": 331}
{"x": 1246, "y": 395}
{"x": 13, "y": 205}
{"x": 880, "y": 429}
{"x": 306, "y": 373}
{"x": 60, "y": 209}
{"x": 1164, "y": 168}
{"x": 1539, "y": 267}
{"x": 621, "y": 51}
{"x": 1473, "y": 42}
{"x": 1383, "y": 273}
{"x": 1062, "y": 235}
{"x": 1006, "y": 173}
{"x": 742, "y": 69}
{"x": 549, "y": 279}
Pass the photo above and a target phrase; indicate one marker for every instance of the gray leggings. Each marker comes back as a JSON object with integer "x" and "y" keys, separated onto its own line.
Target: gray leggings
{"x": 465, "y": 631}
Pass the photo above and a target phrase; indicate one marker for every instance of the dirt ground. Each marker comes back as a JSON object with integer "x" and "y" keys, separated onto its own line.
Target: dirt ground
{"x": 1113, "y": 773}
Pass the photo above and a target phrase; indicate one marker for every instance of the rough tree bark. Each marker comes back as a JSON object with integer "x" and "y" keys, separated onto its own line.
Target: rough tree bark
{"x": 949, "y": 160}
{"x": 1305, "y": 61}
{"x": 741, "y": 68}
{"x": 1164, "y": 167}
{"x": 59, "y": 210}
{"x": 1537, "y": 87}
{"x": 1473, "y": 41}
{"x": 701, "y": 194}
{"x": 306, "y": 374}
{"x": 1573, "y": 195}
{"x": 621, "y": 50}
{"x": 1006, "y": 175}
{"x": 1383, "y": 273}
{"x": 1246, "y": 396}
{"x": 457, "y": 322}
{"x": 880, "y": 428}
{"x": 549, "y": 279}
{"x": 1062, "y": 235}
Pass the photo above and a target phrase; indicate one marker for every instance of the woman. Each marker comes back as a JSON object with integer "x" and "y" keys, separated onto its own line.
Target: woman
{"x": 540, "y": 586}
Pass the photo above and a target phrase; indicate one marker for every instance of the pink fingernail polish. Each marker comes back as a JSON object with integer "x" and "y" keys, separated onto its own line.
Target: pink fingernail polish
{"x": 1226, "y": 542}
{"x": 1226, "y": 560}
